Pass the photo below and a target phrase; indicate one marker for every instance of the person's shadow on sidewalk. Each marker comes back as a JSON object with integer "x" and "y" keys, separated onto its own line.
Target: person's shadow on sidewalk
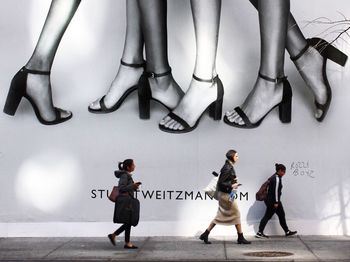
{"x": 255, "y": 213}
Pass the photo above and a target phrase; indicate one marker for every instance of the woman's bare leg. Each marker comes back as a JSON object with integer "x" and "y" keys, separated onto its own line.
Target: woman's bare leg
{"x": 206, "y": 18}
{"x": 154, "y": 28}
{"x": 126, "y": 76}
{"x": 273, "y": 20}
{"x": 39, "y": 86}
{"x": 309, "y": 65}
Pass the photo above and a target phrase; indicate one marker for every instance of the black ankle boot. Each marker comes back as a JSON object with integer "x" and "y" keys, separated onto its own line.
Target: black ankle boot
{"x": 204, "y": 237}
{"x": 242, "y": 240}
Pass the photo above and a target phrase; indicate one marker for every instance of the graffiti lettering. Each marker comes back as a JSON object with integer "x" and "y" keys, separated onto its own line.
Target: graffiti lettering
{"x": 302, "y": 169}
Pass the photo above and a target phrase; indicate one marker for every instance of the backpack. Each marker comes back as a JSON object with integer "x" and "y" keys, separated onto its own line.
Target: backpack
{"x": 261, "y": 195}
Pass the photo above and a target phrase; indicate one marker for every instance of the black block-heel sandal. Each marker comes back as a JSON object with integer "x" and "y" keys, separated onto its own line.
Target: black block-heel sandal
{"x": 285, "y": 106}
{"x": 330, "y": 52}
{"x": 103, "y": 108}
{"x": 18, "y": 89}
{"x": 215, "y": 108}
{"x": 145, "y": 93}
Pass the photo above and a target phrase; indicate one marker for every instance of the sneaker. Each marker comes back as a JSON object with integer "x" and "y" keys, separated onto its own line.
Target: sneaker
{"x": 261, "y": 235}
{"x": 290, "y": 233}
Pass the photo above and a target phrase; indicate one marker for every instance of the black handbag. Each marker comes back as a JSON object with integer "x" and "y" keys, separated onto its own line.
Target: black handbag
{"x": 127, "y": 210}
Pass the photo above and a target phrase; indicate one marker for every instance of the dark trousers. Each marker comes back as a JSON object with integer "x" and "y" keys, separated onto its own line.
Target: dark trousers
{"x": 127, "y": 229}
{"x": 270, "y": 211}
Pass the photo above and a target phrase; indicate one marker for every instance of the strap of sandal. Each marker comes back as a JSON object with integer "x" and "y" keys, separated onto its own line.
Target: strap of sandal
{"x": 305, "y": 48}
{"x": 35, "y": 72}
{"x": 179, "y": 120}
{"x": 133, "y": 65}
{"x": 205, "y": 80}
{"x": 155, "y": 75}
{"x": 243, "y": 116}
{"x": 102, "y": 104}
{"x": 276, "y": 80}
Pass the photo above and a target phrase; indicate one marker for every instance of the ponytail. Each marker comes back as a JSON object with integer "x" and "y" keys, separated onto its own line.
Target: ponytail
{"x": 125, "y": 164}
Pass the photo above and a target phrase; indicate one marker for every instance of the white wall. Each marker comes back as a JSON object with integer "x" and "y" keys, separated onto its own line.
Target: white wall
{"x": 47, "y": 172}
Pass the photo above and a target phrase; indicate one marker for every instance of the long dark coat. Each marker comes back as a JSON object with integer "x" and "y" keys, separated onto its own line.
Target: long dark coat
{"x": 127, "y": 207}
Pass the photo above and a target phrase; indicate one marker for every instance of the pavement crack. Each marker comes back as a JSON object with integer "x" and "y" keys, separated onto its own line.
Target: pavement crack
{"x": 57, "y": 248}
{"x": 308, "y": 248}
{"x": 141, "y": 247}
{"x": 225, "y": 251}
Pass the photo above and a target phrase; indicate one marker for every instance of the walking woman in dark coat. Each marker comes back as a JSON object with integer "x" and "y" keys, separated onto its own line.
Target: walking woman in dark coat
{"x": 228, "y": 212}
{"x": 127, "y": 208}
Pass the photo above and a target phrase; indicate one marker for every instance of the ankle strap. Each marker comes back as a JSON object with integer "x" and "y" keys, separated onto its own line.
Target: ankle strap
{"x": 155, "y": 75}
{"x": 205, "y": 80}
{"x": 294, "y": 58}
{"x": 35, "y": 72}
{"x": 276, "y": 80}
{"x": 133, "y": 65}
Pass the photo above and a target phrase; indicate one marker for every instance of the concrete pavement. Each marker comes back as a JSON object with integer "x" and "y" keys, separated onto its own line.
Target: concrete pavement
{"x": 300, "y": 248}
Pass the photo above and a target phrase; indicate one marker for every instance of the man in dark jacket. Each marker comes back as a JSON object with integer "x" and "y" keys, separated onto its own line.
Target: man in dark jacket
{"x": 274, "y": 204}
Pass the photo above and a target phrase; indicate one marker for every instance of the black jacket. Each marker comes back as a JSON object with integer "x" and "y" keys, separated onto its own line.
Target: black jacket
{"x": 274, "y": 191}
{"x": 227, "y": 178}
{"x": 125, "y": 182}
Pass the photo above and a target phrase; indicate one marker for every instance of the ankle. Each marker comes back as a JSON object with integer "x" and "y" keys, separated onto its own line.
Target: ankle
{"x": 161, "y": 83}
{"x": 133, "y": 60}
{"x": 39, "y": 65}
{"x": 271, "y": 75}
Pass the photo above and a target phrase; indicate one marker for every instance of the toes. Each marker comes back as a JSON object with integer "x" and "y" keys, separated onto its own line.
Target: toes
{"x": 95, "y": 105}
{"x": 178, "y": 126}
{"x": 230, "y": 113}
{"x": 234, "y": 117}
{"x": 165, "y": 120}
{"x": 170, "y": 123}
{"x": 318, "y": 113}
{"x": 64, "y": 113}
{"x": 238, "y": 120}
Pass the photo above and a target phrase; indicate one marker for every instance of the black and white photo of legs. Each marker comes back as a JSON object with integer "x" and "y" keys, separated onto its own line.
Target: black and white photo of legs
{"x": 271, "y": 88}
{"x": 206, "y": 89}
{"x": 131, "y": 67}
{"x": 157, "y": 82}
{"x": 310, "y": 57}
{"x": 33, "y": 80}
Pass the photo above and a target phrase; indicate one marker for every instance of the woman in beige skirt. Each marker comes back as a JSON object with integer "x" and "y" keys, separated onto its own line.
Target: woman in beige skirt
{"x": 228, "y": 212}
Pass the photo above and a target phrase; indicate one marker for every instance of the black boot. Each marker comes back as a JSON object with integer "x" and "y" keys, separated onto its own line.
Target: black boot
{"x": 242, "y": 240}
{"x": 204, "y": 237}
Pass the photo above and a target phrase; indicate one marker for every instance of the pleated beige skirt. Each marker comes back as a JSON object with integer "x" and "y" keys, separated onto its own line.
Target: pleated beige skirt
{"x": 228, "y": 212}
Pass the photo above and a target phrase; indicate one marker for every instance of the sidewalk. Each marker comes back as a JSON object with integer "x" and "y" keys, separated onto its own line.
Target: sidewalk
{"x": 302, "y": 248}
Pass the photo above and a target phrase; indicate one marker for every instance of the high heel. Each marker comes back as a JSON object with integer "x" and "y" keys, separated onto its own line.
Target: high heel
{"x": 327, "y": 51}
{"x": 103, "y": 108}
{"x": 215, "y": 108}
{"x": 145, "y": 93}
{"x": 18, "y": 89}
{"x": 285, "y": 106}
